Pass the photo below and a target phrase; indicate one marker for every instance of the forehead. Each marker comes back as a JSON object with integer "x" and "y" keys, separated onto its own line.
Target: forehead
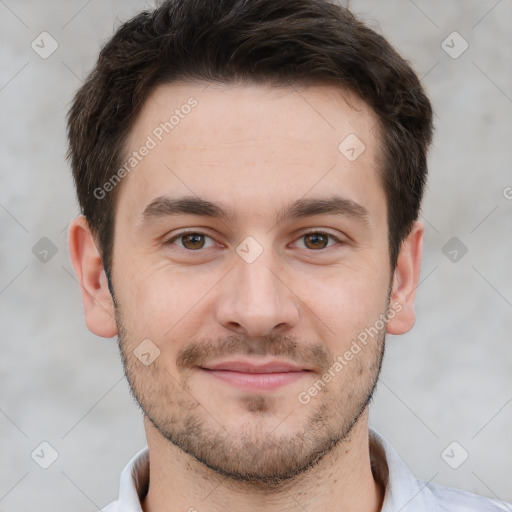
{"x": 252, "y": 141}
{"x": 218, "y": 114}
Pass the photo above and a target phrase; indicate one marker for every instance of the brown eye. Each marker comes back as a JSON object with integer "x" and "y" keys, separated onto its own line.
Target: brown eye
{"x": 191, "y": 241}
{"x": 316, "y": 240}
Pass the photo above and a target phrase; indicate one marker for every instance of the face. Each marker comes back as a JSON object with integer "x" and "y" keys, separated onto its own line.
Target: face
{"x": 250, "y": 255}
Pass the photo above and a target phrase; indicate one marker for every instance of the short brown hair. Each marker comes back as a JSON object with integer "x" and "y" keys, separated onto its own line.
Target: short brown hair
{"x": 279, "y": 42}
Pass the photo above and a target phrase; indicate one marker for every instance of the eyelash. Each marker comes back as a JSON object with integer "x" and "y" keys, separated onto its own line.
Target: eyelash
{"x": 315, "y": 232}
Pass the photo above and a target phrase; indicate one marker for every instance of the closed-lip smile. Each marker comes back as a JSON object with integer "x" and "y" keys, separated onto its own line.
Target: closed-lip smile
{"x": 249, "y": 375}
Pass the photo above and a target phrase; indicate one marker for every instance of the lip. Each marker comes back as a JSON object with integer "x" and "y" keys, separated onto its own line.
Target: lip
{"x": 247, "y": 367}
{"x": 256, "y": 377}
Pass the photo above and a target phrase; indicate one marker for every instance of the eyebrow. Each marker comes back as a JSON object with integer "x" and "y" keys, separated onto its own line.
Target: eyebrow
{"x": 165, "y": 206}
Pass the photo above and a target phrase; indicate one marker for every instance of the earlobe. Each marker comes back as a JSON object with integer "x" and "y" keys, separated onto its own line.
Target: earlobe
{"x": 405, "y": 281}
{"x": 98, "y": 304}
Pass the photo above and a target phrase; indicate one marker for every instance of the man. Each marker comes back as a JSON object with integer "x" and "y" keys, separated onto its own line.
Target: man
{"x": 250, "y": 175}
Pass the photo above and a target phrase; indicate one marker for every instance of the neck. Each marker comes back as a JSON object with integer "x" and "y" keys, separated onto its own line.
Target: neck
{"x": 342, "y": 480}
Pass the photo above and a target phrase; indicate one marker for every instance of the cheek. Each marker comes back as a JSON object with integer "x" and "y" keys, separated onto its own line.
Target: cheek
{"x": 345, "y": 304}
{"x": 162, "y": 302}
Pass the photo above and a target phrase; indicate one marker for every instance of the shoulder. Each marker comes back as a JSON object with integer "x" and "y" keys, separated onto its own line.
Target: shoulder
{"x": 450, "y": 499}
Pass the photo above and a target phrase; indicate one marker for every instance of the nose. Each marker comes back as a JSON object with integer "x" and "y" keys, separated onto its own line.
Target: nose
{"x": 255, "y": 299}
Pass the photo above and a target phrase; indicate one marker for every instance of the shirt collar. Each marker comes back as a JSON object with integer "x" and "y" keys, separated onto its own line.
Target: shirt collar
{"x": 134, "y": 482}
{"x": 401, "y": 487}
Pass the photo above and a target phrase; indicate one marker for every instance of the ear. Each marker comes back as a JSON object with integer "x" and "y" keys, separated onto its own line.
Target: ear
{"x": 98, "y": 304}
{"x": 405, "y": 281}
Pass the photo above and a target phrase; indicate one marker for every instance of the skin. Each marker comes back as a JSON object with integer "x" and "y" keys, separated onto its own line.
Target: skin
{"x": 213, "y": 445}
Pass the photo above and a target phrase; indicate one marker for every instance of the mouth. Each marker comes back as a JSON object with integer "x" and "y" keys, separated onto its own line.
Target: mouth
{"x": 256, "y": 377}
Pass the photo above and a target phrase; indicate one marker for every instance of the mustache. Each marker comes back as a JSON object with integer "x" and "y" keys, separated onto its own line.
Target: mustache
{"x": 201, "y": 353}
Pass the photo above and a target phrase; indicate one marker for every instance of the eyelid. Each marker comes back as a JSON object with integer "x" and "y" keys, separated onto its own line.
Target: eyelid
{"x": 176, "y": 236}
{"x": 298, "y": 236}
{"x": 320, "y": 231}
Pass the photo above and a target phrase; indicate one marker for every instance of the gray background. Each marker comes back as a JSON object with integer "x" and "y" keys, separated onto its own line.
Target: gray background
{"x": 447, "y": 380}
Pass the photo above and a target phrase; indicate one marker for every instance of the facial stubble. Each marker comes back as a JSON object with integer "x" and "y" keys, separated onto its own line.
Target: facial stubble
{"x": 254, "y": 452}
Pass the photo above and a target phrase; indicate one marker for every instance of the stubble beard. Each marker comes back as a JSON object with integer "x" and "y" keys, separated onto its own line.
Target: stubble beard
{"x": 254, "y": 452}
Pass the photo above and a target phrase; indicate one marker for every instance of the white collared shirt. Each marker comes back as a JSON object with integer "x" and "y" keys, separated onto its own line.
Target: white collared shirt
{"x": 403, "y": 492}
